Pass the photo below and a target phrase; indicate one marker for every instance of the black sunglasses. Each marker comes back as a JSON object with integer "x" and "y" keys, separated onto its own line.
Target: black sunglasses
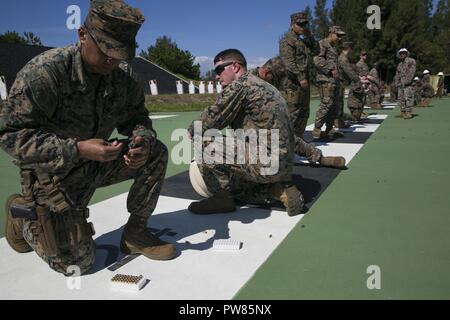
{"x": 220, "y": 68}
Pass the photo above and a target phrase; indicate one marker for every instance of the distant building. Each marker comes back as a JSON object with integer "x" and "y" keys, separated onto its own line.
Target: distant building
{"x": 13, "y": 57}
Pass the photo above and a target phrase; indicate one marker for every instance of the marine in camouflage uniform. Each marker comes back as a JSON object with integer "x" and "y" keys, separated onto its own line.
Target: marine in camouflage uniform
{"x": 374, "y": 96}
{"x": 328, "y": 83}
{"x": 404, "y": 77}
{"x": 296, "y": 50}
{"x": 54, "y": 107}
{"x": 440, "y": 86}
{"x": 349, "y": 77}
{"x": 247, "y": 103}
{"x": 363, "y": 70}
{"x": 426, "y": 91}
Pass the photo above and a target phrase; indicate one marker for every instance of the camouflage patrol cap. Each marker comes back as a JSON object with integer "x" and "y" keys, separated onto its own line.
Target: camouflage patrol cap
{"x": 275, "y": 66}
{"x": 337, "y": 30}
{"x": 114, "y": 25}
{"x": 299, "y": 18}
{"x": 347, "y": 45}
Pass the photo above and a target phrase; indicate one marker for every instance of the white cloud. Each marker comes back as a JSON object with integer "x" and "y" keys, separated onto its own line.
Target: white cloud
{"x": 206, "y": 64}
{"x": 256, "y": 62}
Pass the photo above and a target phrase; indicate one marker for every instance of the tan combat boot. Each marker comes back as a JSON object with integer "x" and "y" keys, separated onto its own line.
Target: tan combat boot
{"x": 14, "y": 227}
{"x": 317, "y": 133}
{"x": 291, "y": 198}
{"x": 401, "y": 115}
{"x": 376, "y": 106}
{"x": 333, "y": 133}
{"x": 137, "y": 239}
{"x": 340, "y": 123}
{"x": 333, "y": 162}
{"x": 221, "y": 202}
{"x": 407, "y": 115}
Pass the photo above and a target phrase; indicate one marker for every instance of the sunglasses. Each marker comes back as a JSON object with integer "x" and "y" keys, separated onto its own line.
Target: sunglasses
{"x": 220, "y": 68}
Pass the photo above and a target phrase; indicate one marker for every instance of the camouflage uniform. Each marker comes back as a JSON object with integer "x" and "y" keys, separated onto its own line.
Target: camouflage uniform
{"x": 440, "y": 87}
{"x": 426, "y": 90}
{"x": 349, "y": 77}
{"x": 325, "y": 63}
{"x": 363, "y": 68}
{"x": 374, "y": 92}
{"x": 54, "y": 103}
{"x": 296, "y": 54}
{"x": 248, "y": 103}
{"x": 280, "y": 81}
{"x": 404, "y": 82}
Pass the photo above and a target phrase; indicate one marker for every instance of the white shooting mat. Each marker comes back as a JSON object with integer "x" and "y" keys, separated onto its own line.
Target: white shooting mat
{"x": 346, "y": 150}
{"x": 359, "y": 127}
{"x": 162, "y": 117}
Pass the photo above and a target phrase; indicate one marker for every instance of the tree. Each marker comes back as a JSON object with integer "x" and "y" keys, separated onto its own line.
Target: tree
{"x": 32, "y": 39}
{"x": 209, "y": 76}
{"x": 13, "y": 37}
{"x": 166, "y": 53}
{"x": 322, "y": 20}
{"x": 312, "y": 22}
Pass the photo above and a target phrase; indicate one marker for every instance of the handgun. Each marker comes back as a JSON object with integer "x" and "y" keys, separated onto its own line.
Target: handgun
{"x": 19, "y": 211}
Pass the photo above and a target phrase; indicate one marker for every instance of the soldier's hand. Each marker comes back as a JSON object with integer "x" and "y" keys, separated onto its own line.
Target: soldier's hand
{"x": 136, "y": 158}
{"x": 304, "y": 84}
{"x": 99, "y": 150}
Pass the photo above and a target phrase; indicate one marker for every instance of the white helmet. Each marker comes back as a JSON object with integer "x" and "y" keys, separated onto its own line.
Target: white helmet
{"x": 416, "y": 79}
{"x": 197, "y": 181}
{"x": 440, "y": 74}
{"x": 426, "y": 72}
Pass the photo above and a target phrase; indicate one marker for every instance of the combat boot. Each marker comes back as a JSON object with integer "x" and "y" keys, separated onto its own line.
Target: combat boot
{"x": 333, "y": 133}
{"x": 401, "y": 115}
{"x": 14, "y": 227}
{"x": 221, "y": 202}
{"x": 317, "y": 133}
{"x": 376, "y": 106}
{"x": 364, "y": 116}
{"x": 407, "y": 115}
{"x": 291, "y": 198}
{"x": 333, "y": 162}
{"x": 340, "y": 124}
{"x": 137, "y": 239}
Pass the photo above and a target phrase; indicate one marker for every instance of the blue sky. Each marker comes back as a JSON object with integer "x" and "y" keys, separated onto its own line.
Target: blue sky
{"x": 202, "y": 27}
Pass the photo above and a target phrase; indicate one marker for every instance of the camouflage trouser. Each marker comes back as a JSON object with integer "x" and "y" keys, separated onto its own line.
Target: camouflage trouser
{"x": 373, "y": 96}
{"x": 298, "y": 100}
{"x": 440, "y": 92}
{"x": 245, "y": 181}
{"x": 329, "y": 104}
{"x": 356, "y": 100}
{"x": 74, "y": 241}
{"x": 406, "y": 99}
{"x": 307, "y": 150}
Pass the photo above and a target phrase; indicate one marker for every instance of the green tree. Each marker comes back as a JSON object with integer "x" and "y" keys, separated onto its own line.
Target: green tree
{"x": 440, "y": 29}
{"x": 312, "y": 22}
{"x": 166, "y": 53}
{"x": 322, "y": 20}
{"x": 27, "y": 38}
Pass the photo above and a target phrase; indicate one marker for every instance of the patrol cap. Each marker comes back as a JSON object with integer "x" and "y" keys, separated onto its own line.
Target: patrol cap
{"x": 299, "y": 18}
{"x": 403, "y": 50}
{"x": 275, "y": 66}
{"x": 347, "y": 45}
{"x": 426, "y": 72}
{"x": 337, "y": 30}
{"x": 114, "y": 25}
